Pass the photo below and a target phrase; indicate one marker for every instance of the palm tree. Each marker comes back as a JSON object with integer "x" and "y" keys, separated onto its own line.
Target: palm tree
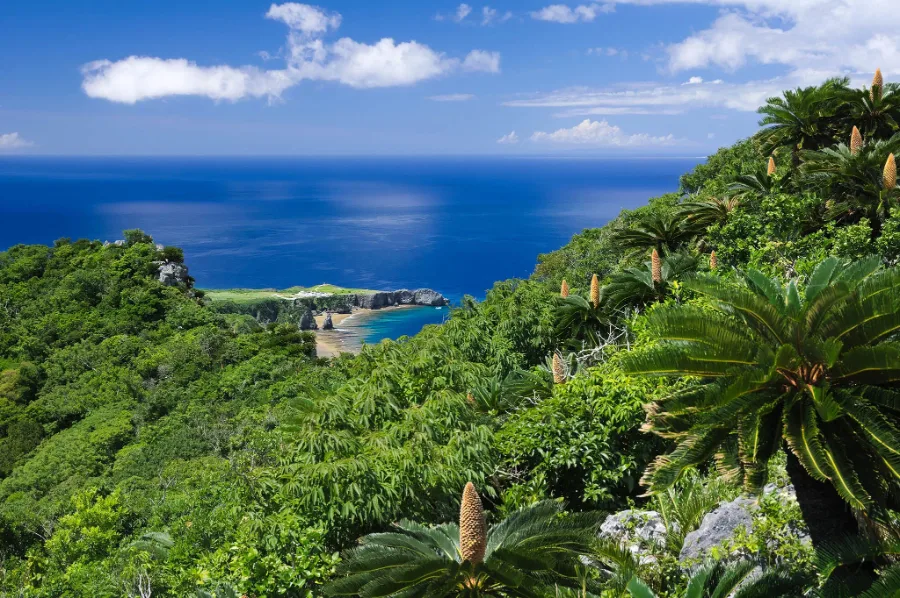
{"x": 703, "y": 213}
{"x": 578, "y": 321}
{"x": 523, "y": 556}
{"x": 817, "y": 371}
{"x": 735, "y": 580}
{"x": 801, "y": 118}
{"x": 661, "y": 231}
{"x": 753, "y": 185}
{"x": 854, "y": 181}
{"x": 635, "y": 287}
{"x": 876, "y": 114}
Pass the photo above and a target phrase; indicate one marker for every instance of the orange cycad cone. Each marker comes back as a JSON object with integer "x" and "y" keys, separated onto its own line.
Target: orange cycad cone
{"x": 771, "y": 170}
{"x": 564, "y": 289}
{"x": 472, "y": 528}
{"x": 856, "y": 141}
{"x": 890, "y": 173}
{"x": 656, "y": 267}
{"x": 595, "y": 291}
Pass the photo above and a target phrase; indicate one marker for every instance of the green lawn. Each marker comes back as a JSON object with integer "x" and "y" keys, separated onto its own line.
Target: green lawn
{"x": 251, "y": 295}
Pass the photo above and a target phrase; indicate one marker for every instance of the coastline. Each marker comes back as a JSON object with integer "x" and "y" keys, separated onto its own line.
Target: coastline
{"x": 347, "y": 336}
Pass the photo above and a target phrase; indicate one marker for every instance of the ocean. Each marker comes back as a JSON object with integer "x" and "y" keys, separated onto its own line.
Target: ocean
{"x": 456, "y": 225}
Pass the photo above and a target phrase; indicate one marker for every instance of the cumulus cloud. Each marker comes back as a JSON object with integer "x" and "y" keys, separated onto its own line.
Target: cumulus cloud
{"x": 599, "y": 134}
{"x": 11, "y": 141}
{"x": 385, "y": 63}
{"x": 492, "y": 15}
{"x": 561, "y": 13}
{"x": 607, "y": 52}
{"x": 452, "y": 97}
{"x": 847, "y": 35}
{"x": 509, "y": 139}
{"x": 481, "y": 61}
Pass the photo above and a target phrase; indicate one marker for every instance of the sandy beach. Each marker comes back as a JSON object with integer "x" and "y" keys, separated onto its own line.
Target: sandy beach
{"x": 346, "y": 336}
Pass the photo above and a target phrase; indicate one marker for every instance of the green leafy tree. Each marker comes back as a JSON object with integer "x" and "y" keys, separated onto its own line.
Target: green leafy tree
{"x": 815, "y": 370}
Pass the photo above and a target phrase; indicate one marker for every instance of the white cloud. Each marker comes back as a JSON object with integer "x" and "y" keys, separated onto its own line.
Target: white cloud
{"x": 488, "y": 14}
{"x": 10, "y": 141}
{"x": 385, "y": 63}
{"x": 308, "y": 19}
{"x": 825, "y": 35}
{"x": 462, "y": 11}
{"x": 608, "y": 52}
{"x": 693, "y": 81}
{"x": 509, "y": 139}
{"x": 452, "y": 97}
{"x": 481, "y": 61}
{"x": 561, "y": 13}
{"x": 599, "y": 134}
{"x": 656, "y": 98}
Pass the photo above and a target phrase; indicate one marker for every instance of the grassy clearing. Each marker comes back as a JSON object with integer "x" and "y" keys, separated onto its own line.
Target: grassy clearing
{"x": 253, "y": 295}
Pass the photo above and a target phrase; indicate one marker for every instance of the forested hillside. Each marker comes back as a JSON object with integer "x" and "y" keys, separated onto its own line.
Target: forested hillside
{"x": 738, "y": 332}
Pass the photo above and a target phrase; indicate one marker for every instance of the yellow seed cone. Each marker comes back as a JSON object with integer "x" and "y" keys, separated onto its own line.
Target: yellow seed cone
{"x": 595, "y": 291}
{"x": 890, "y": 173}
{"x": 656, "y": 267}
{"x": 472, "y": 529}
{"x": 856, "y": 141}
{"x": 564, "y": 289}
{"x": 559, "y": 371}
{"x": 713, "y": 261}
{"x": 771, "y": 169}
{"x": 877, "y": 85}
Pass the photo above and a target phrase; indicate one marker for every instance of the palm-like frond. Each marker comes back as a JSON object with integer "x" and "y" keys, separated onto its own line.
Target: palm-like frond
{"x": 635, "y": 286}
{"x": 706, "y": 212}
{"x": 661, "y": 231}
{"x": 741, "y": 579}
{"x": 811, "y": 369}
{"x": 526, "y": 554}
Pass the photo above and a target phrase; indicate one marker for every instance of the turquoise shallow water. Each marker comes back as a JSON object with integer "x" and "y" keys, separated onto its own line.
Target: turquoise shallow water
{"x": 401, "y": 322}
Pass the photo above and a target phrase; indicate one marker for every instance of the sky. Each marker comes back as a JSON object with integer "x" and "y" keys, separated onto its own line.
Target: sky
{"x": 407, "y": 77}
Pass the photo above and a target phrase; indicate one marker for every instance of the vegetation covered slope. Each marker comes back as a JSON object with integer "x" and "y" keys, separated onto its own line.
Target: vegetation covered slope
{"x": 151, "y": 446}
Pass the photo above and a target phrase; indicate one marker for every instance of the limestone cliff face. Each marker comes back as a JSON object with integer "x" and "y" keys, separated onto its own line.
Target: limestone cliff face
{"x": 301, "y": 311}
{"x": 402, "y": 297}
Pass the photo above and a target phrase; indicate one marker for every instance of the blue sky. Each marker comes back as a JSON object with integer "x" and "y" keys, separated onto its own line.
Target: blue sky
{"x": 630, "y": 77}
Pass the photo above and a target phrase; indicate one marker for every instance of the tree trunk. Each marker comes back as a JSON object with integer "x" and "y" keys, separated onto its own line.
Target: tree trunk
{"x": 829, "y": 519}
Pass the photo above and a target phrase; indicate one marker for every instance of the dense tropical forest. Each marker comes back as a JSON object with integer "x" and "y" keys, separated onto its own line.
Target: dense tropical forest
{"x": 734, "y": 342}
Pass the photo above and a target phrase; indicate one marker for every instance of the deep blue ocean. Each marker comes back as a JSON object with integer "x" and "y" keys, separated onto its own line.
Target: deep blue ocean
{"x": 452, "y": 224}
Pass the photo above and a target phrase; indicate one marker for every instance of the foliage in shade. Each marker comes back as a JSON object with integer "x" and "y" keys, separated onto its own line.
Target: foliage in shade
{"x": 595, "y": 291}
{"x": 733, "y": 580}
{"x": 564, "y": 289}
{"x": 472, "y": 528}
{"x": 856, "y": 141}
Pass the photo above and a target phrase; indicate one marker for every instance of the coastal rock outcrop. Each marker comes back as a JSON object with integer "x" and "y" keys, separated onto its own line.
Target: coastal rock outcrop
{"x": 327, "y": 324}
{"x": 381, "y": 299}
{"x": 308, "y": 321}
{"x": 429, "y": 297}
{"x": 172, "y": 274}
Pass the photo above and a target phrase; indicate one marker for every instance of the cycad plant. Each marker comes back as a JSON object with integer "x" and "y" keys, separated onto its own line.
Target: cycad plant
{"x": 705, "y": 212}
{"x": 753, "y": 185}
{"x": 817, "y": 370}
{"x": 876, "y": 114}
{"x": 664, "y": 232}
{"x": 637, "y": 287}
{"x": 525, "y": 556}
{"x": 855, "y": 182}
{"x": 801, "y": 119}
{"x": 734, "y": 580}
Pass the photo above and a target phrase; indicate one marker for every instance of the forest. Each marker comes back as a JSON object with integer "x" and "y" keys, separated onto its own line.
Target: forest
{"x": 736, "y": 341}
